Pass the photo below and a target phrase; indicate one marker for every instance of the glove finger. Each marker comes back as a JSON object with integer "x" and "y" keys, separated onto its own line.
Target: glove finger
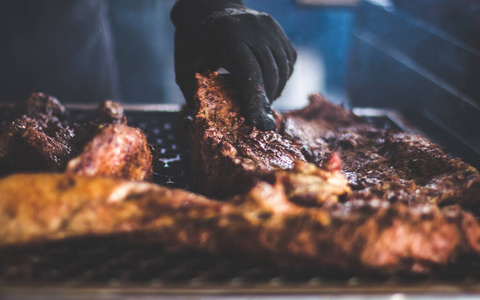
{"x": 292, "y": 56}
{"x": 184, "y": 70}
{"x": 284, "y": 70}
{"x": 268, "y": 66}
{"x": 286, "y": 44}
{"x": 247, "y": 77}
{"x": 189, "y": 60}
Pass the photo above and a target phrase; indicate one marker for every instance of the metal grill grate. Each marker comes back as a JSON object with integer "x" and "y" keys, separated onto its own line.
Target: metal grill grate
{"x": 114, "y": 260}
{"x": 164, "y": 132}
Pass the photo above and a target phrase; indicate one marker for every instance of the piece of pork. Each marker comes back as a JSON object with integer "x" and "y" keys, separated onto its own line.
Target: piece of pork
{"x": 115, "y": 151}
{"x": 359, "y": 237}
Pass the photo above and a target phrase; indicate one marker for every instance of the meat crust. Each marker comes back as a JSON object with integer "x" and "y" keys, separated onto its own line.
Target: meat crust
{"x": 383, "y": 164}
{"x": 42, "y": 138}
{"x": 380, "y": 164}
{"x": 39, "y": 137}
{"x": 115, "y": 151}
{"x": 359, "y": 237}
{"x": 326, "y": 191}
{"x": 228, "y": 155}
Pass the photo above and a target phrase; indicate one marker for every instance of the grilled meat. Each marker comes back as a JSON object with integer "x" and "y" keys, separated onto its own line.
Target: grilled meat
{"x": 115, "y": 151}
{"x": 228, "y": 155}
{"x": 358, "y": 237}
{"x": 41, "y": 137}
{"x": 380, "y": 164}
{"x": 110, "y": 112}
{"x": 379, "y": 211}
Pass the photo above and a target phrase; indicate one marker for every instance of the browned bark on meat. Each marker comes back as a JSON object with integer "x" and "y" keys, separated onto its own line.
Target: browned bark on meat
{"x": 393, "y": 205}
{"x": 39, "y": 137}
{"x": 361, "y": 237}
{"x": 229, "y": 156}
{"x": 380, "y": 164}
{"x": 115, "y": 151}
{"x": 42, "y": 138}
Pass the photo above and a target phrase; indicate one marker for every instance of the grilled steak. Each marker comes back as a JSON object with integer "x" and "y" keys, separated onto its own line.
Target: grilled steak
{"x": 40, "y": 137}
{"x": 228, "y": 155}
{"x": 380, "y": 164}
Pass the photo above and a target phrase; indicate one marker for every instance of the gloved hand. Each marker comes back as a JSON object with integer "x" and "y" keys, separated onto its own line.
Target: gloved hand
{"x": 249, "y": 44}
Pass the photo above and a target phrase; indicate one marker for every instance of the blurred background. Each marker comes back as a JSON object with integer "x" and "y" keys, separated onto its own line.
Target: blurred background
{"x": 405, "y": 54}
{"x": 88, "y": 50}
{"x": 321, "y": 32}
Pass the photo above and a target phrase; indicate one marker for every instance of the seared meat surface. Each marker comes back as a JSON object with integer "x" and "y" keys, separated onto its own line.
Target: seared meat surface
{"x": 402, "y": 184}
{"x": 380, "y": 164}
{"x": 325, "y": 190}
{"x": 115, "y": 151}
{"x": 228, "y": 155}
{"x": 41, "y": 137}
{"x": 357, "y": 237}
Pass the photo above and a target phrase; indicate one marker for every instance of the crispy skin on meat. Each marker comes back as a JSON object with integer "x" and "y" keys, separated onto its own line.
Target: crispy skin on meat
{"x": 42, "y": 138}
{"x": 115, "y": 151}
{"x": 360, "y": 237}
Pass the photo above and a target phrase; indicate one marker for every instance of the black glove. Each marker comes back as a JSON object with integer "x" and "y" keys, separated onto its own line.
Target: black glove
{"x": 250, "y": 45}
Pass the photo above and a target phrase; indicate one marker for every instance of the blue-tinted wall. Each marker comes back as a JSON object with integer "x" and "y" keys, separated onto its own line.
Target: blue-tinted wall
{"x": 321, "y": 30}
{"x": 135, "y": 38}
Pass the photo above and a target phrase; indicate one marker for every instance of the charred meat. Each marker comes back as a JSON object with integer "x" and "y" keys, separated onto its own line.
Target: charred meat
{"x": 358, "y": 237}
{"x": 228, "y": 155}
{"x": 325, "y": 190}
{"x": 115, "y": 151}
{"x": 380, "y": 164}
{"x": 41, "y": 137}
